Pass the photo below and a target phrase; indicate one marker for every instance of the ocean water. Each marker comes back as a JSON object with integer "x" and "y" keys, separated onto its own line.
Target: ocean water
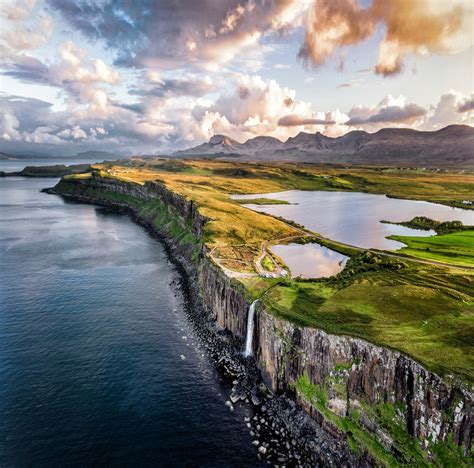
{"x": 99, "y": 364}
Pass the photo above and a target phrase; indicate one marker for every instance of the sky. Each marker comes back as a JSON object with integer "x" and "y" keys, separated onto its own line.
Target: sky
{"x": 152, "y": 77}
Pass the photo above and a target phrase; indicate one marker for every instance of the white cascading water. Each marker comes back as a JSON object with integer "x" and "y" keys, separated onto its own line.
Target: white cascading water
{"x": 250, "y": 326}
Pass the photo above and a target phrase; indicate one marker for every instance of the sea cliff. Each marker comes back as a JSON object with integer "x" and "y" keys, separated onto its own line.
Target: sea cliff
{"x": 387, "y": 406}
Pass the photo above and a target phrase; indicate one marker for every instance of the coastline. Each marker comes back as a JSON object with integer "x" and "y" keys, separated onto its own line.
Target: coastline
{"x": 285, "y": 431}
{"x": 286, "y": 354}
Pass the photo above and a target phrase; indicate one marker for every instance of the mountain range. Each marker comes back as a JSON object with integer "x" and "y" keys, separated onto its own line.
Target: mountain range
{"x": 449, "y": 147}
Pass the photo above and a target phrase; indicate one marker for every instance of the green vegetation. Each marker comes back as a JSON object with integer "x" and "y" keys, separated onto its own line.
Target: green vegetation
{"x": 262, "y": 201}
{"x": 426, "y": 312}
{"x": 456, "y": 248}
{"x": 424, "y": 223}
{"x": 156, "y": 212}
{"x": 405, "y": 451}
{"x": 267, "y": 263}
{"x": 423, "y": 310}
{"x": 358, "y": 438}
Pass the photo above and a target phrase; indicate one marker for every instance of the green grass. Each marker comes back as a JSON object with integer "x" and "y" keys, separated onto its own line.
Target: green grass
{"x": 267, "y": 263}
{"x": 407, "y": 448}
{"x": 421, "y": 311}
{"x": 358, "y": 438}
{"x": 424, "y": 223}
{"x": 262, "y": 201}
{"x": 456, "y": 248}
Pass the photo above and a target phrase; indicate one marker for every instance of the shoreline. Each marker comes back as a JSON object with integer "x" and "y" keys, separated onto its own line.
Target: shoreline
{"x": 285, "y": 431}
{"x": 286, "y": 355}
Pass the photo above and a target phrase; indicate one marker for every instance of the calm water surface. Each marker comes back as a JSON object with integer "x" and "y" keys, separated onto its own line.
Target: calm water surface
{"x": 98, "y": 362}
{"x": 311, "y": 260}
{"x": 354, "y": 218}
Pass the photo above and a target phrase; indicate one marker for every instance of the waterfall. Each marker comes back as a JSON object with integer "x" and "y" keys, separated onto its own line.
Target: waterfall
{"x": 250, "y": 327}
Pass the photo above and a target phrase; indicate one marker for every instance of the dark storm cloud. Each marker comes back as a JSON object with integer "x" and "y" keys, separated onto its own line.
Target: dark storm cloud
{"x": 390, "y": 114}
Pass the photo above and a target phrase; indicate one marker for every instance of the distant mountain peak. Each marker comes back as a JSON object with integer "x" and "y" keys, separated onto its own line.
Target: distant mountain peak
{"x": 221, "y": 140}
{"x": 452, "y": 146}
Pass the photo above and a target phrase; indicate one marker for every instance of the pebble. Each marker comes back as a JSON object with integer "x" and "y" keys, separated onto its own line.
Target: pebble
{"x": 262, "y": 450}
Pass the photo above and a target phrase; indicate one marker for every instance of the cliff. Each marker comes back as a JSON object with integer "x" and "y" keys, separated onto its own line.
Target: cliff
{"x": 378, "y": 399}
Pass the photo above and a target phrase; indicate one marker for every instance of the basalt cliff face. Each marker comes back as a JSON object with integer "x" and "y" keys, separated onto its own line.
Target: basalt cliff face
{"x": 353, "y": 388}
{"x": 355, "y": 374}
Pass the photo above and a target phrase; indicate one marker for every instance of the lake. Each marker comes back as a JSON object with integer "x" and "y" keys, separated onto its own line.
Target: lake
{"x": 310, "y": 260}
{"x": 99, "y": 363}
{"x": 354, "y": 218}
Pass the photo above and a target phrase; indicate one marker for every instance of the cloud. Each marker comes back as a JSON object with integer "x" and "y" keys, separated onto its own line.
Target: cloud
{"x": 410, "y": 27}
{"x": 165, "y": 33}
{"x": 27, "y": 69}
{"x": 75, "y": 133}
{"x": 16, "y": 10}
{"x": 254, "y": 100}
{"x": 467, "y": 105}
{"x": 8, "y": 126}
{"x": 267, "y": 109}
{"x": 190, "y": 85}
{"x": 452, "y": 108}
{"x": 390, "y": 111}
{"x": 295, "y": 120}
{"x": 164, "y": 124}
{"x": 76, "y": 68}
{"x": 24, "y": 30}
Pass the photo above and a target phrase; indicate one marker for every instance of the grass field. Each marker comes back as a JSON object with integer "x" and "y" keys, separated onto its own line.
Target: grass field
{"x": 456, "y": 248}
{"x": 426, "y": 311}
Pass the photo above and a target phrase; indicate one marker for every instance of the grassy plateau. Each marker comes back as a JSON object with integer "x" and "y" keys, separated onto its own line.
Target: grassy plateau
{"x": 422, "y": 308}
